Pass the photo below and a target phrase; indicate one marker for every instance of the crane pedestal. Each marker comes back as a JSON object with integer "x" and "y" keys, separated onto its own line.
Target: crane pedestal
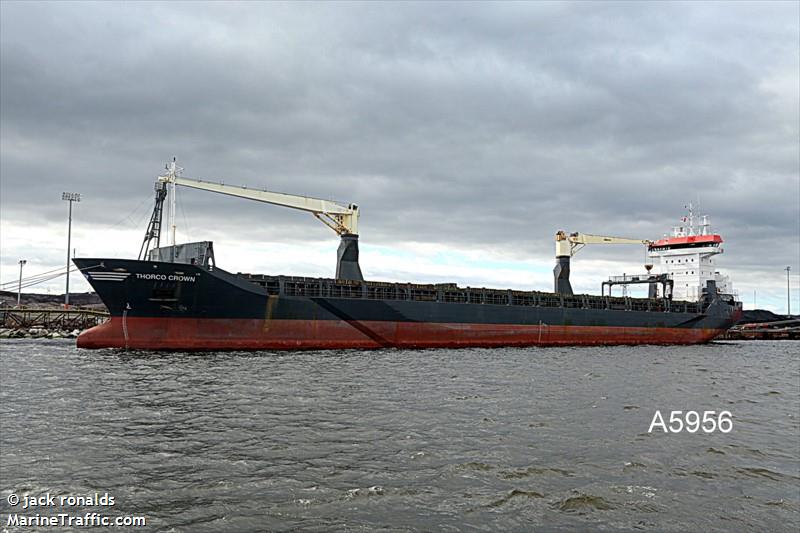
{"x": 561, "y": 276}
{"x": 347, "y": 259}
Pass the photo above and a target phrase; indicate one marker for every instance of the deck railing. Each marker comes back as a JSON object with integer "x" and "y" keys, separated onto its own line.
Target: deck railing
{"x": 450, "y": 293}
{"x": 66, "y": 319}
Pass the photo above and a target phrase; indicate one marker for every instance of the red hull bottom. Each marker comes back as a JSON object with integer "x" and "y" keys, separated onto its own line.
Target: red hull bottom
{"x": 259, "y": 334}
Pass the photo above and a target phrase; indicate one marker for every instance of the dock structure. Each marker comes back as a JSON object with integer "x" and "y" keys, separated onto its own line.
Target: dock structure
{"x": 59, "y": 319}
{"x": 779, "y": 329}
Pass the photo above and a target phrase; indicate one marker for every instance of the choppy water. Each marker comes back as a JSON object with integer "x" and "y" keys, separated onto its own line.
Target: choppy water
{"x": 438, "y": 440}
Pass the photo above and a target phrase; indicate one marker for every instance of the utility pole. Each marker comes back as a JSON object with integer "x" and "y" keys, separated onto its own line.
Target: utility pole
{"x": 788, "y": 293}
{"x": 69, "y": 197}
{"x": 19, "y": 287}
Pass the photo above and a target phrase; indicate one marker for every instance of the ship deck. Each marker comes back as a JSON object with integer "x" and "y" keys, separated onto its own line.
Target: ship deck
{"x": 451, "y": 293}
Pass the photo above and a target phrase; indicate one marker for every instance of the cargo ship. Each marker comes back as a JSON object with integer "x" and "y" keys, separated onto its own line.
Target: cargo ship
{"x": 175, "y": 297}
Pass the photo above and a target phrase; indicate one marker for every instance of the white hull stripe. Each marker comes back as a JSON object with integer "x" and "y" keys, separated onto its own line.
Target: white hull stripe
{"x": 108, "y": 276}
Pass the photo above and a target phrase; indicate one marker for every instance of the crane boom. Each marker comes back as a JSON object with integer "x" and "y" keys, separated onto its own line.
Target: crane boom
{"x": 341, "y": 219}
{"x": 568, "y": 245}
{"x": 588, "y": 238}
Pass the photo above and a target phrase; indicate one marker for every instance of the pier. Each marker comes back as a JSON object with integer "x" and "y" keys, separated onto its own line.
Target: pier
{"x": 779, "y": 329}
{"x": 38, "y": 322}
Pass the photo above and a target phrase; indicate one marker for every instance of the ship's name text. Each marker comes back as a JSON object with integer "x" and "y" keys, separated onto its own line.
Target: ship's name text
{"x": 166, "y": 277}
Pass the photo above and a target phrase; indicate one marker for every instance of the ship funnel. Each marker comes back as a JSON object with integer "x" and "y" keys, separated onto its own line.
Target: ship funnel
{"x": 347, "y": 259}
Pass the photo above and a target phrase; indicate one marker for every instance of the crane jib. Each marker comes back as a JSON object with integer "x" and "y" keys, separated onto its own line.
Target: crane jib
{"x": 343, "y": 219}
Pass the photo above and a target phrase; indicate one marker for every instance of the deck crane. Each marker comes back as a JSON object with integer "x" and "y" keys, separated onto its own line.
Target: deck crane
{"x": 343, "y": 219}
{"x": 568, "y": 245}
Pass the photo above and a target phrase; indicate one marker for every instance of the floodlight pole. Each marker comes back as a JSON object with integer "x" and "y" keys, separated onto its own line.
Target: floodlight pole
{"x": 70, "y": 197}
{"x": 788, "y": 293}
{"x": 19, "y": 287}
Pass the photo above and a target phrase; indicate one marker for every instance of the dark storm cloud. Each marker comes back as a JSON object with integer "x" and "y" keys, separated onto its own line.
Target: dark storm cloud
{"x": 471, "y": 124}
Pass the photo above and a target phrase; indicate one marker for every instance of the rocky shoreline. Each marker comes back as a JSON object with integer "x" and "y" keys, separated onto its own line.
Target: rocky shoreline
{"x": 37, "y": 333}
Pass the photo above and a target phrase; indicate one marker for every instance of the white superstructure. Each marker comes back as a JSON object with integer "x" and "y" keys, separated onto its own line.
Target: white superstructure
{"x": 687, "y": 255}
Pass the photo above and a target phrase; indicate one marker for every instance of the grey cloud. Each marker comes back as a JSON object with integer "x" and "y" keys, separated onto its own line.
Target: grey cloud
{"x": 466, "y": 124}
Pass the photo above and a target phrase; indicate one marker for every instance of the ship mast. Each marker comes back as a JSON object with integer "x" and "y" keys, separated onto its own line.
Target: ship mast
{"x": 153, "y": 232}
{"x": 173, "y": 171}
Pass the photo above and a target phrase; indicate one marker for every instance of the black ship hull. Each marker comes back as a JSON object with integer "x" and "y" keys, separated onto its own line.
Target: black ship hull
{"x": 172, "y": 306}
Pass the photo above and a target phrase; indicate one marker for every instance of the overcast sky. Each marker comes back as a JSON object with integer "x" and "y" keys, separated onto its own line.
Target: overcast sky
{"x": 468, "y": 133}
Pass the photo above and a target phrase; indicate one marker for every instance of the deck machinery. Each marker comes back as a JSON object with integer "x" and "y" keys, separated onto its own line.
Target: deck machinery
{"x": 342, "y": 219}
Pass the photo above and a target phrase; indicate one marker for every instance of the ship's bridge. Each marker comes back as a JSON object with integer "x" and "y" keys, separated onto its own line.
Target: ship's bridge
{"x": 689, "y": 241}
{"x": 687, "y": 256}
